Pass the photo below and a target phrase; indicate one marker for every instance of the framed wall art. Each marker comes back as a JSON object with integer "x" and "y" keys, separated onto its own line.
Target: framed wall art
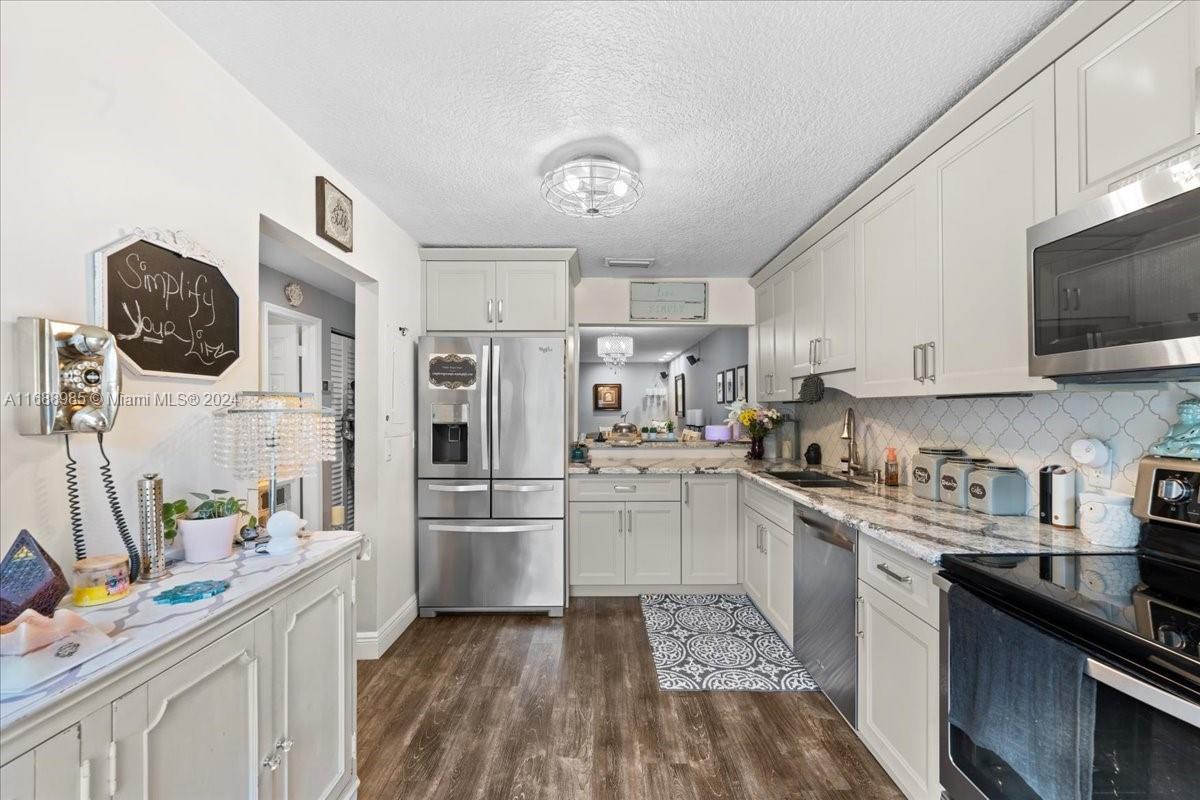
{"x": 606, "y": 397}
{"x": 680, "y": 395}
{"x": 335, "y": 215}
{"x": 721, "y": 387}
{"x": 729, "y": 387}
{"x": 741, "y": 382}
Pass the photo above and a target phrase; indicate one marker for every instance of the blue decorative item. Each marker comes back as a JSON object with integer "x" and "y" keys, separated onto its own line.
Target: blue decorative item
{"x": 191, "y": 592}
{"x": 1183, "y": 440}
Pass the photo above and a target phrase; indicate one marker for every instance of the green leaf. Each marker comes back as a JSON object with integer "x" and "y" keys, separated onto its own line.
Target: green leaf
{"x": 219, "y": 491}
{"x": 199, "y": 496}
{"x": 180, "y": 507}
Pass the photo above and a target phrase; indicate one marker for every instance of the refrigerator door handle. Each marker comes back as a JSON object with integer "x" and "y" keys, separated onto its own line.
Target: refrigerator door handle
{"x": 485, "y": 396}
{"x": 513, "y": 487}
{"x": 490, "y": 528}
{"x": 495, "y": 404}
{"x": 467, "y": 487}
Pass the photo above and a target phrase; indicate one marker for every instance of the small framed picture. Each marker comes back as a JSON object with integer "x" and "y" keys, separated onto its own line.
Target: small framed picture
{"x": 741, "y": 380}
{"x": 729, "y": 391}
{"x": 721, "y": 387}
{"x": 680, "y": 396}
{"x": 606, "y": 397}
{"x": 335, "y": 215}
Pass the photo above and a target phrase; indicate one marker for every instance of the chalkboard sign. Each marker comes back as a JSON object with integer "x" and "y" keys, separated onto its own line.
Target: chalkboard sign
{"x": 170, "y": 307}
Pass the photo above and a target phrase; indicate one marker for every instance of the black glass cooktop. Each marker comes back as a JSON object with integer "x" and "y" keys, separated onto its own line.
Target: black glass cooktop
{"x": 1143, "y": 608}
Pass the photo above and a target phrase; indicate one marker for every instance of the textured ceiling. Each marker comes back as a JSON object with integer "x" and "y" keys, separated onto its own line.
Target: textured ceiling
{"x": 747, "y": 120}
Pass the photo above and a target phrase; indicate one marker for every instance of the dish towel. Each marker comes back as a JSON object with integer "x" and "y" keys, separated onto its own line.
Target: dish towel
{"x": 1023, "y": 695}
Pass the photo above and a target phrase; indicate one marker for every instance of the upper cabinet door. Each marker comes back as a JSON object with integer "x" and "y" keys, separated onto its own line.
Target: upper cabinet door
{"x": 531, "y": 296}
{"x": 460, "y": 295}
{"x": 783, "y": 320}
{"x": 764, "y": 310}
{"x": 889, "y": 239}
{"x": 1126, "y": 97}
{"x": 806, "y": 310}
{"x": 835, "y": 346}
{"x": 990, "y": 183}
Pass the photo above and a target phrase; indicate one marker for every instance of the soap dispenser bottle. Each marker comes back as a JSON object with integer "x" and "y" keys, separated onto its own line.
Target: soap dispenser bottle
{"x": 891, "y": 468}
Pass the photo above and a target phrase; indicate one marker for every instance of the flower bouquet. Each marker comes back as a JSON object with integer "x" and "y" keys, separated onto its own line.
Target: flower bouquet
{"x": 758, "y": 422}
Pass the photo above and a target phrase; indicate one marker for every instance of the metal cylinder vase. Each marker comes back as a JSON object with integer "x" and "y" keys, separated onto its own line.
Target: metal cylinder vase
{"x": 153, "y": 545}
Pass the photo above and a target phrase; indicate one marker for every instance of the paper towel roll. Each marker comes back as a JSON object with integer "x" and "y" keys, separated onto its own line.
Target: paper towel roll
{"x": 1062, "y": 490}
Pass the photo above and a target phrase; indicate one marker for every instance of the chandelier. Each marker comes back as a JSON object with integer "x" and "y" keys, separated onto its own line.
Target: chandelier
{"x": 592, "y": 186}
{"x": 615, "y": 350}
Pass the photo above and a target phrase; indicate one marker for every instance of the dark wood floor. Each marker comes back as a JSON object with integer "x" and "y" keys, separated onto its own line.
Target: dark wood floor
{"x": 533, "y": 707}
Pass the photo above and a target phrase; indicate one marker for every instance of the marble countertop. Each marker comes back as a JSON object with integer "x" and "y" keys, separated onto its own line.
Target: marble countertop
{"x": 143, "y": 626}
{"x": 658, "y": 444}
{"x": 921, "y": 528}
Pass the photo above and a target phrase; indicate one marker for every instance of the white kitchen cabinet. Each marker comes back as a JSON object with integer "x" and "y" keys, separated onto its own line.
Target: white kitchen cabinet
{"x": 754, "y": 555}
{"x": 597, "y": 543}
{"x": 896, "y": 314}
{"x": 652, "y": 543}
{"x": 709, "y": 530}
{"x": 1126, "y": 97}
{"x": 898, "y": 693}
{"x": 806, "y": 311}
{"x": 73, "y": 763}
{"x": 779, "y": 580}
{"x": 764, "y": 329}
{"x": 989, "y": 184}
{"x": 835, "y": 345}
{"x": 202, "y": 728}
{"x": 315, "y": 698}
{"x": 783, "y": 319}
{"x": 531, "y": 296}
{"x": 460, "y": 295}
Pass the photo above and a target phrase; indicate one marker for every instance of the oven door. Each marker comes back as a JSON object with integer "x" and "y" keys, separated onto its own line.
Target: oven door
{"x": 1114, "y": 285}
{"x": 1146, "y": 741}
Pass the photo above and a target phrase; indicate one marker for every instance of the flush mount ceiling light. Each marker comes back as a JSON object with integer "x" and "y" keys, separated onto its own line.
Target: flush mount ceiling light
{"x": 592, "y": 186}
{"x": 615, "y": 350}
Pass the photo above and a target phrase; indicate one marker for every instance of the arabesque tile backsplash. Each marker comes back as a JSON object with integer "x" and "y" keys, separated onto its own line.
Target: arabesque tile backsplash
{"x": 1028, "y": 432}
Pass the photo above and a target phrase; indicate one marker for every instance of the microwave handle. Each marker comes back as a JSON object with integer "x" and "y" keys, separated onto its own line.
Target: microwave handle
{"x": 1143, "y": 692}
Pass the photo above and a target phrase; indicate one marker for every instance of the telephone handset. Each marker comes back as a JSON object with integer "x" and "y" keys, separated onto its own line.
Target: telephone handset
{"x": 72, "y": 376}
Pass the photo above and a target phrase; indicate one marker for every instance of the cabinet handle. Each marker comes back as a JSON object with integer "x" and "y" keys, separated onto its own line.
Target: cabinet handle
{"x": 629, "y": 520}
{"x": 858, "y": 628}
{"x": 891, "y": 573}
{"x": 489, "y": 310}
{"x": 1066, "y": 303}
{"x": 500, "y": 310}
{"x": 931, "y": 369}
{"x": 916, "y": 348}
{"x": 1075, "y": 291}
{"x": 272, "y": 761}
{"x": 620, "y": 522}
{"x": 624, "y": 489}
{"x": 687, "y": 492}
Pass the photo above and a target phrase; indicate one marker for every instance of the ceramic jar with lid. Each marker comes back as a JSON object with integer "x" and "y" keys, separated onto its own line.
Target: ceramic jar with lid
{"x": 996, "y": 489}
{"x": 952, "y": 479}
{"x": 926, "y": 468}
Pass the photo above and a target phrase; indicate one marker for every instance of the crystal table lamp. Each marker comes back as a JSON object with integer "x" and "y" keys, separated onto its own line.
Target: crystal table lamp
{"x": 276, "y": 434}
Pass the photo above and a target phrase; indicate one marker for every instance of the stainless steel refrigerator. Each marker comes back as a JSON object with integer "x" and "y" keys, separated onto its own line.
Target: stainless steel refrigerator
{"x": 491, "y": 467}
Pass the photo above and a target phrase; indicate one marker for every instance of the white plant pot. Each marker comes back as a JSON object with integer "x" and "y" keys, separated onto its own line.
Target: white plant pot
{"x": 207, "y": 539}
{"x": 1106, "y": 519}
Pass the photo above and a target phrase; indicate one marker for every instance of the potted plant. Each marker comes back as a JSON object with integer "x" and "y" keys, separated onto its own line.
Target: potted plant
{"x": 758, "y": 422}
{"x": 670, "y": 428}
{"x": 209, "y": 528}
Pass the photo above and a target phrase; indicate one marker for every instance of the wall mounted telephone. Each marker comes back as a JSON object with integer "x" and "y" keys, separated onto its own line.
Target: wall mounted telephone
{"x": 70, "y": 378}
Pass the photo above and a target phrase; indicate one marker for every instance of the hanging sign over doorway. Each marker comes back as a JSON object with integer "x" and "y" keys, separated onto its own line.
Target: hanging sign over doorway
{"x": 672, "y": 301}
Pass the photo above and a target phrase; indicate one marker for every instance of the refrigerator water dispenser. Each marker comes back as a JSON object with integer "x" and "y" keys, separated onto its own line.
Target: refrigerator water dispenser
{"x": 449, "y": 434}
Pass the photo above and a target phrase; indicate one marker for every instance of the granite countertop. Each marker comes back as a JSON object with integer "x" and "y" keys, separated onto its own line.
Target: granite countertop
{"x": 668, "y": 444}
{"x": 921, "y": 528}
{"x": 144, "y": 627}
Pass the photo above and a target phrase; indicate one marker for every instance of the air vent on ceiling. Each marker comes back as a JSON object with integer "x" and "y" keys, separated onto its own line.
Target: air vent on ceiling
{"x": 629, "y": 263}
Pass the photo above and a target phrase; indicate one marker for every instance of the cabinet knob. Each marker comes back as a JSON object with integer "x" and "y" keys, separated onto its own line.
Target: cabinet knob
{"x": 285, "y": 744}
{"x": 272, "y": 761}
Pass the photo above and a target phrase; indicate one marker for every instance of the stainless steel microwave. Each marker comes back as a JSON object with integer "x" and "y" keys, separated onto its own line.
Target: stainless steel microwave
{"x": 1114, "y": 285}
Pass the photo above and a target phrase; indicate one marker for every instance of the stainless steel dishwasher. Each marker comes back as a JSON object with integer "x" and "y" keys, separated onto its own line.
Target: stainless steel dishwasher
{"x": 825, "y": 570}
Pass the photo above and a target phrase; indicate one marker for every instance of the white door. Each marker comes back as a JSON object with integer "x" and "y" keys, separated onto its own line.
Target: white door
{"x": 990, "y": 183}
{"x": 835, "y": 346}
{"x": 460, "y": 295}
{"x": 1126, "y": 97}
{"x": 73, "y": 763}
{"x": 202, "y": 728}
{"x": 779, "y": 580}
{"x": 531, "y": 296}
{"x": 283, "y": 357}
{"x": 898, "y": 693}
{"x": 893, "y": 304}
{"x": 652, "y": 543}
{"x": 709, "y": 536}
{"x": 764, "y": 318}
{"x": 315, "y": 688}
{"x": 807, "y": 308}
{"x": 783, "y": 321}
{"x": 754, "y": 556}
{"x": 597, "y": 543}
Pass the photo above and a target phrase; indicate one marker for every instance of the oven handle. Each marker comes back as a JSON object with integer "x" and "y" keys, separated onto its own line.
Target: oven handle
{"x": 1143, "y": 692}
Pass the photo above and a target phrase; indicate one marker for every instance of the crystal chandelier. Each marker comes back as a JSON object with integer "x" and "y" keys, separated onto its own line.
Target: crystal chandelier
{"x": 592, "y": 186}
{"x": 615, "y": 350}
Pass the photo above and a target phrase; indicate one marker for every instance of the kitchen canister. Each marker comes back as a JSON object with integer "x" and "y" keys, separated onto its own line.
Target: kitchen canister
{"x": 952, "y": 478}
{"x": 926, "y": 469}
{"x": 996, "y": 489}
{"x": 1106, "y": 518}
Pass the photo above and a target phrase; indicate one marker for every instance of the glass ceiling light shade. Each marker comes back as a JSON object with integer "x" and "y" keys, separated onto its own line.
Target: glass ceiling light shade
{"x": 615, "y": 350}
{"x": 592, "y": 186}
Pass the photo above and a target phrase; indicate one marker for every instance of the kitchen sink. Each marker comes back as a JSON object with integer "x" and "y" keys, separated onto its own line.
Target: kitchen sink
{"x": 810, "y": 477}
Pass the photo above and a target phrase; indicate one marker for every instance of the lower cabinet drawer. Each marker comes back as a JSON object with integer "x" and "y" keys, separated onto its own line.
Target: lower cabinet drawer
{"x": 906, "y": 580}
{"x": 625, "y": 488}
{"x": 772, "y": 505}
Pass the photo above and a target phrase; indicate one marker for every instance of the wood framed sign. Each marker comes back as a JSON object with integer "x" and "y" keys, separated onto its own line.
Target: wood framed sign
{"x": 335, "y": 215}
{"x": 672, "y": 301}
{"x": 166, "y": 300}
{"x": 606, "y": 397}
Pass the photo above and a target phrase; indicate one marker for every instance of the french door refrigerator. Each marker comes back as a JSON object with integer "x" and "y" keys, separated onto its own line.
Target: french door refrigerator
{"x": 491, "y": 467}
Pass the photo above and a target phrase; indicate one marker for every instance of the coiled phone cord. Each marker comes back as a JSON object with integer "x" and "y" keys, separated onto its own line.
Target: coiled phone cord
{"x": 114, "y": 503}
{"x": 74, "y": 505}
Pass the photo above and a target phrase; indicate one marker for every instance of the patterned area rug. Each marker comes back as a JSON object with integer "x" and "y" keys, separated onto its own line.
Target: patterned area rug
{"x": 718, "y": 642}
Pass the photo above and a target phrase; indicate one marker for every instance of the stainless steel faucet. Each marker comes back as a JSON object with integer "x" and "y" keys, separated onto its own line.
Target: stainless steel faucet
{"x": 853, "y": 467}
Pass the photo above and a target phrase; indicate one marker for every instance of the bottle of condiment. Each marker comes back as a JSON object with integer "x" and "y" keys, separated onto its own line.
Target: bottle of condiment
{"x": 891, "y": 468}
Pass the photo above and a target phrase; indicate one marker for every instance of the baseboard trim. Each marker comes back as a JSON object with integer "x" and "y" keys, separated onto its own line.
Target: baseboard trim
{"x": 678, "y": 588}
{"x": 369, "y": 645}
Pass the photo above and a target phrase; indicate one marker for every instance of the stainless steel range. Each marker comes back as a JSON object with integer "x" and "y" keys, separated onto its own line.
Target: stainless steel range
{"x": 491, "y": 466}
